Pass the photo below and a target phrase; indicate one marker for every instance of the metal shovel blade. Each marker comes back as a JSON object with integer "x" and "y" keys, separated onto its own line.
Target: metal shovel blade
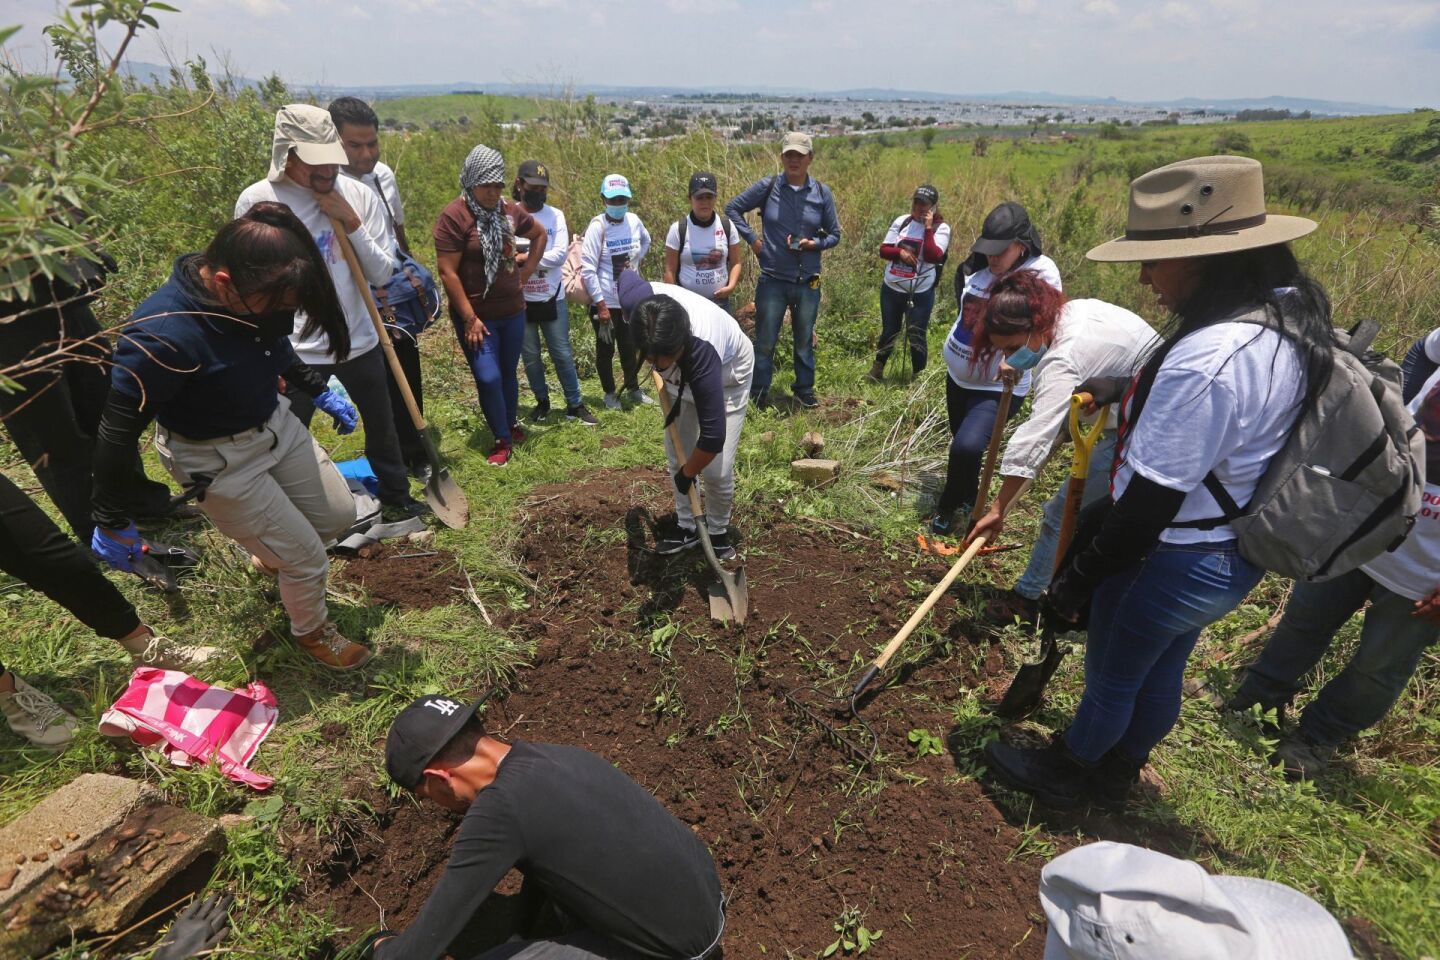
{"x": 447, "y": 499}
{"x": 730, "y": 596}
{"x": 1027, "y": 690}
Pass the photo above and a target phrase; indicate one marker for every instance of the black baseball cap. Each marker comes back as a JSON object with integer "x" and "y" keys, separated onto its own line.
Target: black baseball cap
{"x": 1003, "y": 226}
{"x": 927, "y": 194}
{"x": 534, "y": 173}
{"x": 421, "y": 731}
{"x": 703, "y": 183}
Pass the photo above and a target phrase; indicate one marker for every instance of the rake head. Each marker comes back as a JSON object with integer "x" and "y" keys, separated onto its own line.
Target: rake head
{"x": 861, "y": 752}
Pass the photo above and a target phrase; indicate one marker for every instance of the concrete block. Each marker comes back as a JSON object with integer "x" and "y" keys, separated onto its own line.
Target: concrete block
{"x": 814, "y": 473}
{"x": 813, "y": 443}
{"x": 96, "y": 852}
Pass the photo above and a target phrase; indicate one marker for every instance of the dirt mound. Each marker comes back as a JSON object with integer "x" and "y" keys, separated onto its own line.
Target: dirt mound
{"x": 405, "y": 574}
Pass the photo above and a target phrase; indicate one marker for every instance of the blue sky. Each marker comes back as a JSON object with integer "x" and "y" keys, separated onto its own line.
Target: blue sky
{"x": 1387, "y": 51}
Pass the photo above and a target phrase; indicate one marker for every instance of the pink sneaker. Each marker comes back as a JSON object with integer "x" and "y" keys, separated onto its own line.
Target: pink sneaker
{"x": 500, "y": 455}
{"x": 517, "y": 433}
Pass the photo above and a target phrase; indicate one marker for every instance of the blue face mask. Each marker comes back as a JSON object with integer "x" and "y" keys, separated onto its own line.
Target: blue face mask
{"x": 1025, "y": 358}
{"x": 616, "y": 211}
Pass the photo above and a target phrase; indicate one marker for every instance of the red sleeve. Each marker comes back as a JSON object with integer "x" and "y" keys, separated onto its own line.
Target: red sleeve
{"x": 890, "y": 251}
{"x": 933, "y": 253}
{"x": 451, "y": 232}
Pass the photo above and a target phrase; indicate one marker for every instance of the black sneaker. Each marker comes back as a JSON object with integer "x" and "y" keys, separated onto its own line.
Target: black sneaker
{"x": 761, "y": 400}
{"x": 807, "y": 400}
{"x": 541, "y": 413}
{"x": 724, "y": 549}
{"x": 681, "y": 539}
{"x": 582, "y": 413}
{"x": 400, "y": 512}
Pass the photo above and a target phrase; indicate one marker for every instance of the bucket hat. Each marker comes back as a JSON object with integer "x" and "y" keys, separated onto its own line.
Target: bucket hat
{"x": 309, "y": 131}
{"x": 1198, "y": 208}
{"x": 1121, "y": 902}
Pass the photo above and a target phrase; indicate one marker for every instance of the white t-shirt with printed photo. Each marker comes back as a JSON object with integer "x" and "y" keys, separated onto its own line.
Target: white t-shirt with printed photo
{"x": 544, "y": 283}
{"x": 705, "y": 258}
{"x": 1223, "y": 401}
{"x": 911, "y": 235}
{"x": 608, "y": 244}
{"x": 1413, "y": 568}
{"x": 958, "y": 352}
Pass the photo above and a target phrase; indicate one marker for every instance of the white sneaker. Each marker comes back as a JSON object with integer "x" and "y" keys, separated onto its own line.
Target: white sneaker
{"x": 36, "y": 717}
{"x": 612, "y": 402}
{"x": 155, "y": 650}
{"x": 638, "y": 396}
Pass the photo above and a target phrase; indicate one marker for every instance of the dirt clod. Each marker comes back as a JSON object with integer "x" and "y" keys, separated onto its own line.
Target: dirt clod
{"x": 401, "y": 575}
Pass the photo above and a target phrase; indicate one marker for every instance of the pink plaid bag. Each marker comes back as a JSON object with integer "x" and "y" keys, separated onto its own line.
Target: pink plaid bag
{"x": 190, "y": 721}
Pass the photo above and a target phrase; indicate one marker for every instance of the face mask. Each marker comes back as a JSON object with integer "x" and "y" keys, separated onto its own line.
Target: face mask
{"x": 533, "y": 200}
{"x": 616, "y": 211}
{"x": 272, "y": 324}
{"x": 1025, "y": 358}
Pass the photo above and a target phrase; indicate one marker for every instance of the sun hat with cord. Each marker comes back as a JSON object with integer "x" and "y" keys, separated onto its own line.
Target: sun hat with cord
{"x": 1199, "y": 208}
{"x": 309, "y": 131}
{"x": 1121, "y": 902}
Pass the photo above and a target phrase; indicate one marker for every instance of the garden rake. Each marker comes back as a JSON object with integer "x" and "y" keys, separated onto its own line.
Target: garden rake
{"x": 864, "y": 753}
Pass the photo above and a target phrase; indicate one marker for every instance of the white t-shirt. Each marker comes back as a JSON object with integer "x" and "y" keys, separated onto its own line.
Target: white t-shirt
{"x": 381, "y": 180}
{"x": 1413, "y": 568}
{"x": 911, "y": 235}
{"x": 714, "y": 325}
{"x": 1432, "y": 345}
{"x": 1092, "y": 339}
{"x": 377, "y": 259}
{"x": 705, "y": 259}
{"x": 544, "y": 283}
{"x": 605, "y": 242}
{"x": 1223, "y": 401}
{"x": 957, "y": 344}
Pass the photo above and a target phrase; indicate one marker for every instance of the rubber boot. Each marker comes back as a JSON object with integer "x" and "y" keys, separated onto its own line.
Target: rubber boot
{"x": 877, "y": 371}
{"x": 1052, "y": 774}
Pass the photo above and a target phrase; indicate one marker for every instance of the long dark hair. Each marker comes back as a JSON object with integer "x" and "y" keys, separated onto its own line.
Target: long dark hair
{"x": 268, "y": 252}
{"x": 1268, "y": 278}
{"x": 661, "y": 328}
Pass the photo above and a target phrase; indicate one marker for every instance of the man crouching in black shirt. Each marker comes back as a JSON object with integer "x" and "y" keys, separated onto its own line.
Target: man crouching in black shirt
{"x": 633, "y": 881}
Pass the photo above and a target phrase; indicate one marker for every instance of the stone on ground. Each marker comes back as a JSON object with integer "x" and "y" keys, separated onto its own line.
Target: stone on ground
{"x": 814, "y": 473}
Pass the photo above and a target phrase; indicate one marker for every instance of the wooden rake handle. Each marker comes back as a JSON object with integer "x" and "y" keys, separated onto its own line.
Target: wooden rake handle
{"x": 1002, "y": 412}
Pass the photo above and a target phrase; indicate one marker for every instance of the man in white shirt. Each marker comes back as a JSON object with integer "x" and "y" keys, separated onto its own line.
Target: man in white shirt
{"x": 359, "y": 131}
{"x": 305, "y": 161}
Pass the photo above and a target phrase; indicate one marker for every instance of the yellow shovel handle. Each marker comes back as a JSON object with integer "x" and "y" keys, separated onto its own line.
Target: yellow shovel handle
{"x": 1084, "y": 439}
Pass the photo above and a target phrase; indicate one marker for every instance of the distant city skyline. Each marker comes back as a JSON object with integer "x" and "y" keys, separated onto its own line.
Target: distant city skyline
{"x": 1386, "y": 52}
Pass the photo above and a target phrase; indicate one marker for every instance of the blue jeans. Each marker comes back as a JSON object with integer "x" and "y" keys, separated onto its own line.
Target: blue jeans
{"x": 1143, "y": 624}
{"x": 972, "y": 419}
{"x": 1391, "y": 645}
{"x": 893, "y": 315}
{"x": 772, "y": 298}
{"x": 494, "y": 368}
{"x": 557, "y": 341}
{"x": 1036, "y": 578}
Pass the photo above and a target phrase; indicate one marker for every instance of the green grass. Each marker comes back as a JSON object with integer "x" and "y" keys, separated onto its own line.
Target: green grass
{"x": 1362, "y": 842}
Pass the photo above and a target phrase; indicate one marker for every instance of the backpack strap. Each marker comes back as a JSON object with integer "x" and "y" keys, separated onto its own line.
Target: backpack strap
{"x": 1362, "y": 335}
{"x": 682, "y": 233}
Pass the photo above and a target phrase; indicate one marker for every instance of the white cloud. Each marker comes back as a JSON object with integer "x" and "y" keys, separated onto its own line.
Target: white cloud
{"x": 1179, "y": 12}
{"x": 1101, "y": 8}
{"x": 265, "y": 8}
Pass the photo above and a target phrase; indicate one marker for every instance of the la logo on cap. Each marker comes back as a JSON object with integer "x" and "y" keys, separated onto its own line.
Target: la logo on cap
{"x": 446, "y": 707}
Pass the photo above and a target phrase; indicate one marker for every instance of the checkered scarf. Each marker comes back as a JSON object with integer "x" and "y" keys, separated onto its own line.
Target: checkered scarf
{"x": 485, "y": 165}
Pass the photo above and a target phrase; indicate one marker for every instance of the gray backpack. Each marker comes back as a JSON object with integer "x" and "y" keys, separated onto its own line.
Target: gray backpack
{"x": 1346, "y": 486}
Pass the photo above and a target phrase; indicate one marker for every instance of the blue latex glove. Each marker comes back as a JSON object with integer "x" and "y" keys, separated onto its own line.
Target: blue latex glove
{"x": 340, "y": 411}
{"x": 118, "y": 548}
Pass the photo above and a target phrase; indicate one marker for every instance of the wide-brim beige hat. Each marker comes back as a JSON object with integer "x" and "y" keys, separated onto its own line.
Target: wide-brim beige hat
{"x": 309, "y": 131}
{"x": 1198, "y": 208}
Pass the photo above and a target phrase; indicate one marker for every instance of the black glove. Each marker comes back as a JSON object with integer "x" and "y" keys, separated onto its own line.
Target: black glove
{"x": 367, "y": 946}
{"x": 1105, "y": 389}
{"x": 197, "y": 928}
{"x": 1062, "y": 604}
{"x": 683, "y": 483}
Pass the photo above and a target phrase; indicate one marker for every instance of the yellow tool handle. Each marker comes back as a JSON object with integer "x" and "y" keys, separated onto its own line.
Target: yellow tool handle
{"x": 1084, "y": 439}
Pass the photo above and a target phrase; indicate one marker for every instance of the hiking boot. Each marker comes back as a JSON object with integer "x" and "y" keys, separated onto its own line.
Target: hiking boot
{"x": 761, "y": 400}
{"x": 944, "y": 522}
{"x": 154, "y": 650}
{"x": 36, "y": 717}
{"x": 724, "y": 549}
{"x": 877, "y": 372}
{"x": 1302, "y": 757}
{"x": 541, "y": 413}
{"x": 517, "y": 434}
{"x": 638, "y": 396}
{"x": 400, "y": 512}
{"x": 1112, "y": 780}
{"x": 420, "y": 470}
{"x": 611, "y": 402}
{"x": 1051, "y": 774}
{"x": 500, "y": 455}
{"x": 807, "y": 400}
{"x": 331, "y": 648}
{"x": 684, "y": 538}
{"x": 1010, "y": 607}
{"x": 582, "y": 413}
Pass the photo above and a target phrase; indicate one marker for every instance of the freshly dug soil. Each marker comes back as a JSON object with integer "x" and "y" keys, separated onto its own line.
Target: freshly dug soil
{"x": 405, "y": 574}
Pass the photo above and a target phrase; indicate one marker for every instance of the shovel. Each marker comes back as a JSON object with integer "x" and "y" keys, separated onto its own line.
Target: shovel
{"x": 730, "y": 598}
{"x": 1028, "y": 687}
{"x": 866, "y": 754}
{"x": 441, "y": 491}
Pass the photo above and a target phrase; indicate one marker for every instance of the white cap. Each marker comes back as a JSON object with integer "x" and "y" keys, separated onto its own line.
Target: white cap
{"x": 310, "y": 132}
{"x": 1121, "y": 902}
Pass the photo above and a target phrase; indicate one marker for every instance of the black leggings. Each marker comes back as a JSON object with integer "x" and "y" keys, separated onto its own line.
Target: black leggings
{"x": 407, "y": 351}
{"x": 34, "y": 550}
{"x": 605, "y": 352}
{"x": 972, "y": 419}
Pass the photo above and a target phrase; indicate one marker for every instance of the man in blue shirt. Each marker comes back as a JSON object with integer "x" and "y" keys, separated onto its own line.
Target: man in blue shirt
{"x": 798, "y": 220}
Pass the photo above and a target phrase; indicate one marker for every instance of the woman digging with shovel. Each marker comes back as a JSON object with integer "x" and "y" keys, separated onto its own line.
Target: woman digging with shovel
{"x": 1219, "y": 397}
{"x": 706, "y": 363}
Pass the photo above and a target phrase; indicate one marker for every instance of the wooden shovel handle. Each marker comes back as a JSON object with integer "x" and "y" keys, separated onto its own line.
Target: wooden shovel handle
{"x": 399, "y": 372}
{"x": 1002, "y": 411}
{"x": 930, "y": 601}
